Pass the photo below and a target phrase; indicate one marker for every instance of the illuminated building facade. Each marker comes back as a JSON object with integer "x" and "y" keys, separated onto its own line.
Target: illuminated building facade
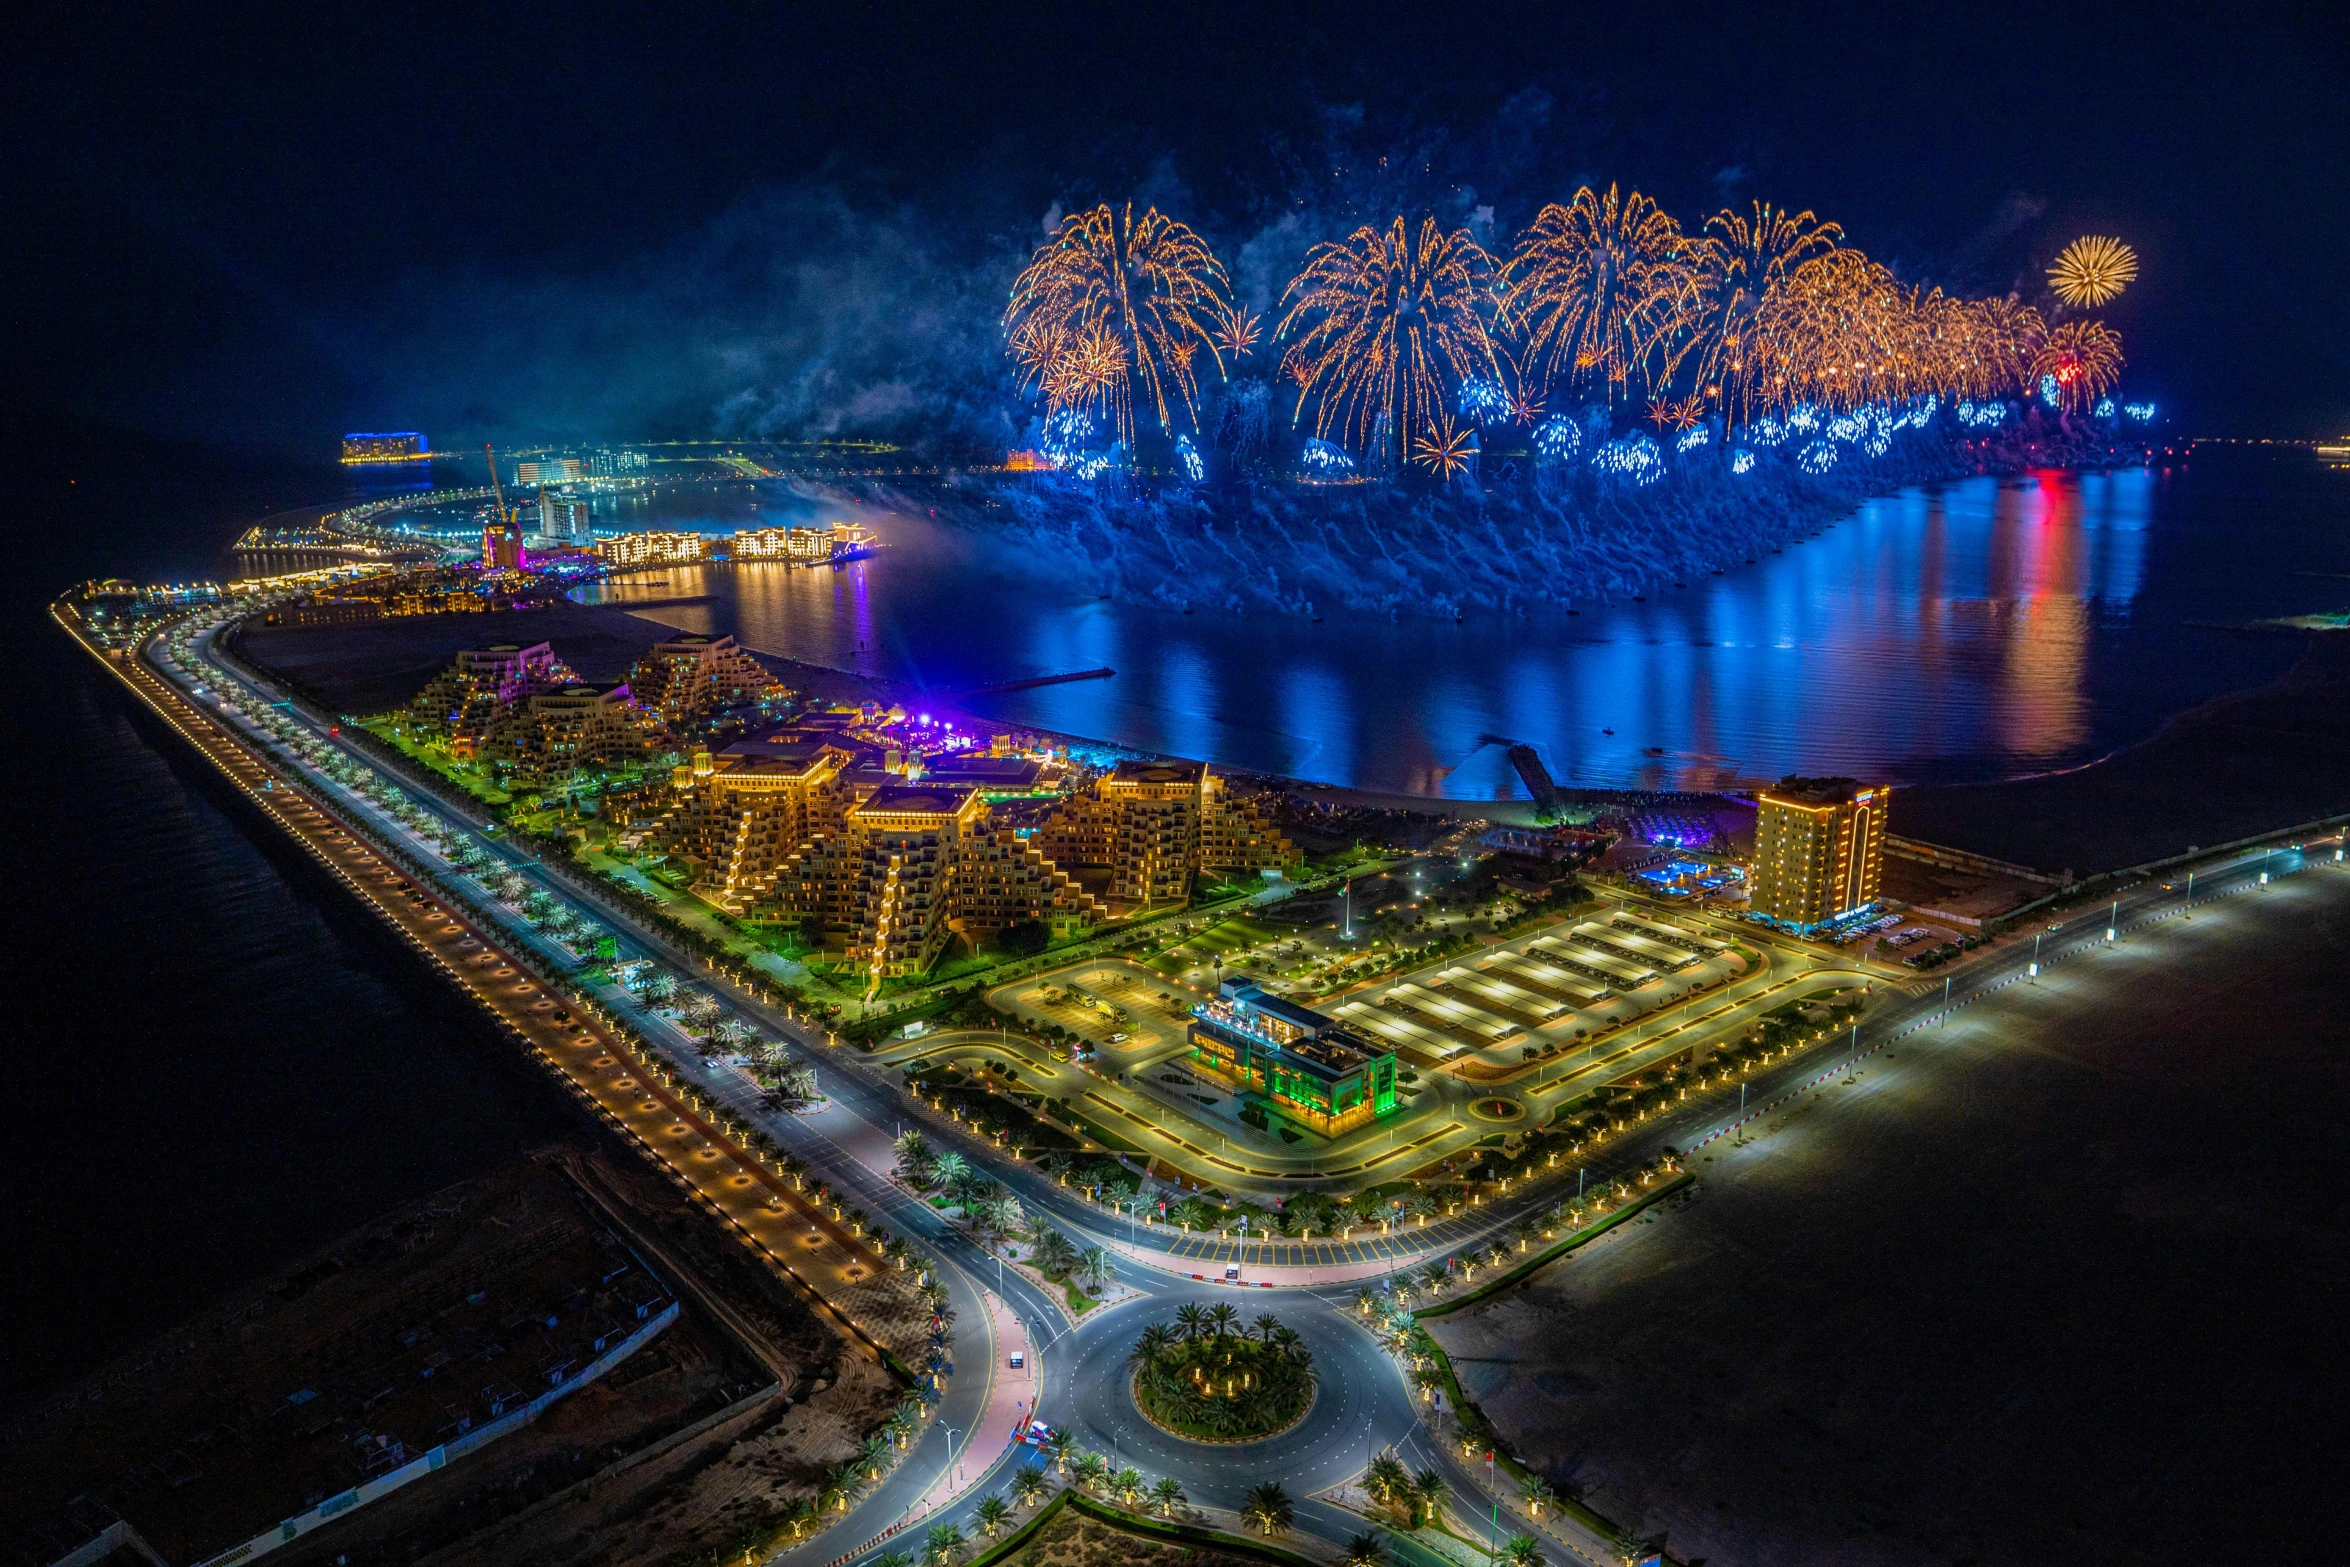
{"x": 483, "y": 683}
{"x": 564, "y": 521}
{"x": 550, "y": 470}
{"x": 801, "y": 829}
{"x": 652, "y": 549}
{"x": 570, "y": 726}
{"x": 1155, "y": 824}
{"x": 389, "y": 446}
{"x": 501, "y": 547}
{"x": 695, "y": 676}
{"x": 1310, "y": 1065}
{"x": 1819, "y": 851}
{"x": 808, "y": 546}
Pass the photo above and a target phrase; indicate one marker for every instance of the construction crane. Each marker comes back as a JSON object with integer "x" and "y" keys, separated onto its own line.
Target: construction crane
{"x": 505, "y": 517}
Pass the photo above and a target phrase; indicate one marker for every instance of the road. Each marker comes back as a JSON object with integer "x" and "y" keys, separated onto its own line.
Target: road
{"x": 1076, "y": 1372}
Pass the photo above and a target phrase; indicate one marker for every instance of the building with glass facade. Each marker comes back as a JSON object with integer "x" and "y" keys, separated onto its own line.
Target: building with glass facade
{"x": 1312, "y": 1067}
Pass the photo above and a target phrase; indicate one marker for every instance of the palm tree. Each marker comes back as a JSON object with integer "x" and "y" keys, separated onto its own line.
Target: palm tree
{"x": 1220, "y": 1318}
{"x": 1266, "y": 1323}
{"x": 1537, "y": 1494}
{"x": 1060, "y": 1447}
{"x": 875, "y": 1455}
{"x": 949, "y": 1167}
{"x": 1088, "y": 1470}
{"x": 1094, "y": 1270}
{"x": 1429, "y": 1487}
{"x": 1363, "y": 1551}
{"x": 1521, "y": 1551}
{"x": 991, "y": 1513}
{"x": 912, "y": 1147}
{"x": 1190, "y": 1319}
{"x": 944, "y": 1546}
{"x": 1127, "y": 1483}
{"x": 1028, "y": 1487}
{"x": 1054, "y": 1253}
{"x": 893, "y": 1559}
{"x": 1387, "y": 1481}
{"x": 1268, "y": 1510}
{"x": 1156, "y": 1340}
{"x": 1168, "y": 1495}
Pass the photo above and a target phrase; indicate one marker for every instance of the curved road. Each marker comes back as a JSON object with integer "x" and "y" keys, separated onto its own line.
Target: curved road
{"x": 1080, "y": 1371}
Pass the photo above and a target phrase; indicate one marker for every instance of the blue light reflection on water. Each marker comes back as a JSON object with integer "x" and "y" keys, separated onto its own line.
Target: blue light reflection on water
{"x": 1984, "y": 629}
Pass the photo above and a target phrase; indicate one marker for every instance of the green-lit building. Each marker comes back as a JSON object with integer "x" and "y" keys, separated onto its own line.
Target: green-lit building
{"x": 1317, "y": 1071}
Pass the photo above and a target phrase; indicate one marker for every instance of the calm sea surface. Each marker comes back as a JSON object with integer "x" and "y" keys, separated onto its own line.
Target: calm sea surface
{"x": 1981, "y": 630}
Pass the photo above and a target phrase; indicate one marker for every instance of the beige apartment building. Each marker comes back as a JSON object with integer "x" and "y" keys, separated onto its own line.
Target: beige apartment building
{"x": 1819, "y": 850}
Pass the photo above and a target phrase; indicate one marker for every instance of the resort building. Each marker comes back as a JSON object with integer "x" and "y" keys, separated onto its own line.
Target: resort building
{"x": 1819, "y": 851}
{"x": 1311, "y": 1066}
{"x": 810, "y": 829}
{"x": 912, "y": 867}
{"x": 694, "y": 676}
{"x": 484, "y": 682}
{"x": 564, "y": 521}
{"x": 571, "y": 726}
{"x": 808, "y": 546}
{"x": 1153, "y": 825}
{"x": 651, "y": 549}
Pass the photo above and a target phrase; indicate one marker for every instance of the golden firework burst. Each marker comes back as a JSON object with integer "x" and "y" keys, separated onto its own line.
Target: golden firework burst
{"x": 2092, "y": 270}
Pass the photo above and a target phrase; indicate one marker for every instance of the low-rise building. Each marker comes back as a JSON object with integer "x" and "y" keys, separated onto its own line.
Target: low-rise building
{"x": 1311, "y": 1066}
{"x": 652, "y": 549}
{"x": 693, "y": 676}
{"x": 1154, "y": 825}
{"x": 570, "y": 726}
{"x": 481, "y": 684}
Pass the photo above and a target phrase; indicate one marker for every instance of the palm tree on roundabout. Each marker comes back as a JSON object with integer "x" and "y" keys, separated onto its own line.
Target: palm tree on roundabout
{"x": 1268, "y": 1510}
{"x": 1152, "y": 1347}
{"x": 1266, "y": 1324}
{"x": 1191, "y": 1319}
{"x": 1221, "y": 1318}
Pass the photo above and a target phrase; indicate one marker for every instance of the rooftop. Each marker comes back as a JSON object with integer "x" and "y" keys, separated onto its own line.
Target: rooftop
{"x": 1796, "y": 790}
{"x": 1139, "y": 772}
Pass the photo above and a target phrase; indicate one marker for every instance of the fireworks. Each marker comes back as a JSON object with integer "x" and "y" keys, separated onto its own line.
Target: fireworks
{"x": 1738, "y": 264}
{"x": 1446, "y": 452}
{"x": 1484, "y": 401}
{"x": 1236, "y": 330}
{"x": 1767, "y": 431}
{"x": 1378, "y": 322}
{"x": 1114, "y": 309}
{"x": 2092, "y": 270}
{"x": 2105, "y": 408}
{"x": 1635, "y": 457}
{"x": 1187, "y": 454}
{"x": 1818, "y": 457}
{"x": 1741, "y": 461}
{"x": 2143, "y": 413}
{"x": 1326, "y": 460}
{"x": 1558, "y": 440}
{"x": 1596, "y": 291}
{"x": 1067, "y": 434}
{"x": 1691, "y": 440}
{"x": 2079, "y": 361}
{"x": 1982, "y": 416}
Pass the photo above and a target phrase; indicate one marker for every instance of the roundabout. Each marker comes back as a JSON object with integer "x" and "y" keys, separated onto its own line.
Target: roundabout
{"x": 1499, "y": 1110}
{"x": 1205, "y": 1378}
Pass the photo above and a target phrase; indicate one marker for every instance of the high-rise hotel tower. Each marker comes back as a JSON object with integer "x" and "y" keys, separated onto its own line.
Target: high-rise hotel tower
{"x": 1819, "y": 850}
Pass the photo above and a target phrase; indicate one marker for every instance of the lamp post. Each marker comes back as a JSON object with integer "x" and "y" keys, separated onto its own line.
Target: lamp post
{"x": 2035, "y": 965}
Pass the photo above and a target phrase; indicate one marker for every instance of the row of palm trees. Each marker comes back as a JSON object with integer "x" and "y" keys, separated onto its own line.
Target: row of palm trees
{"x": 992, "y": 1210}
{"x": 1418, "y": 1499}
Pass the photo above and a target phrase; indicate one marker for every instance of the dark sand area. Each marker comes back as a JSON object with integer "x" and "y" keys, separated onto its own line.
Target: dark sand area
{"x": 2061, "y": 1284}
{"x": 361, "y": 670}
{"x": 2233, "y": 768}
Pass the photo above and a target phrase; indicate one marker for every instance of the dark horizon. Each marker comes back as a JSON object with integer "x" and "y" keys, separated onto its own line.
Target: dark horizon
{"x": 633, "y": 225}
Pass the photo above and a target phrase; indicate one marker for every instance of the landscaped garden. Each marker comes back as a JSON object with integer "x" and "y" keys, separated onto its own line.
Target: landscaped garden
{"x": 1210, "y": 1377}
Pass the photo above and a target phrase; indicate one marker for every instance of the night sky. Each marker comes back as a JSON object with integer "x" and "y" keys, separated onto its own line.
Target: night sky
{"x": 603, "y": 222}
